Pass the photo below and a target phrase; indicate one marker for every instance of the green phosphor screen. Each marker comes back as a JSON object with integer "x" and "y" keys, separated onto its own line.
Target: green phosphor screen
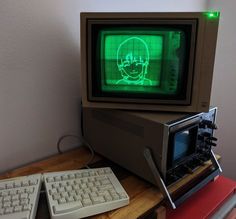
{"x": 135, "y": 62}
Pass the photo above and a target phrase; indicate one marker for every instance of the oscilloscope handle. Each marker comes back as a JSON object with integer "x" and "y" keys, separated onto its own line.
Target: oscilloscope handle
{"x": 157, "y": 176}
{"x": 163, "y": 187}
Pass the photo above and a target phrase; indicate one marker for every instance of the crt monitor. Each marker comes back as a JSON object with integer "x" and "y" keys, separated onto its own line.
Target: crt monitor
{"x": 148, "y": 61}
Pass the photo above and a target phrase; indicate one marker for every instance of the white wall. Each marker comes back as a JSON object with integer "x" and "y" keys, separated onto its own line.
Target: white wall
{"x": 39, "y": 70}
{"x": 39, "y": 78}
{"x": 224, "y": 84}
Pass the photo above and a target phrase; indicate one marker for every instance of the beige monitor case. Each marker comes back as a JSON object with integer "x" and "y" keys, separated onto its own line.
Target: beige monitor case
{"x": 200, "y": 63}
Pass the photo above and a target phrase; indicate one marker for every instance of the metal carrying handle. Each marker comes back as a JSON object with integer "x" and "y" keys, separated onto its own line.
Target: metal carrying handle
{"x": 157, "y": 176}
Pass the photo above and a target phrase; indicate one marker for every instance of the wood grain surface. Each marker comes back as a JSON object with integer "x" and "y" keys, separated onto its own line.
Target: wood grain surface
{"x": 144, "y": 197}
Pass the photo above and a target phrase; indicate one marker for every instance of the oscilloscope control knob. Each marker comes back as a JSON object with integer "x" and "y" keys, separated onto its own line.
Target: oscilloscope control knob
{"x": 204, "y": 135}
{"x": 207, "y": 123}
{"x": 213, "y": 138}
{"x": 210, "y": 142}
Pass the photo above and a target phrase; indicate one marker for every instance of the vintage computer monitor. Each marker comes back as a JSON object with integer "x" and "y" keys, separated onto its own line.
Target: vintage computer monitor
{"x": 148, "y": 61}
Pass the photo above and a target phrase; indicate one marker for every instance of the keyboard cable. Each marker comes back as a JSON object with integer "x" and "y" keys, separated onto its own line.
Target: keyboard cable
{"x": 84, "y": 143}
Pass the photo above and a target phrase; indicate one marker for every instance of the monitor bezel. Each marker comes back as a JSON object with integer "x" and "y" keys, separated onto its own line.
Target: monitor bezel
{"x": 167, "y": 101}
{"x": 203, "y": 63}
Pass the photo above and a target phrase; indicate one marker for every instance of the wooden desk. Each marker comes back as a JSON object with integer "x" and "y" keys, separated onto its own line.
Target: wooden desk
{"x": 144, "y": 197}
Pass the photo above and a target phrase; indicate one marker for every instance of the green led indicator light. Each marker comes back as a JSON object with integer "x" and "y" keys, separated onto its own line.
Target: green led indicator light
{"x": 213, "y": 14}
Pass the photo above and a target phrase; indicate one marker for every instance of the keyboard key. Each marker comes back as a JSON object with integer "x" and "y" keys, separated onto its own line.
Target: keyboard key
{"x": 86, "y": 190}
{"x": 8, "y": 210}
{"x": 107, "y": 170}
{"x": 92, "y": 173}
{"x": 108, "y": 198}
{"x": 50, "y": 179}
{"x": 17, "y": 208}
{"x": 122, "y": 195}
{"x": 105, "y": 182}
{"x": 90, "y": 184}
{"x": 97, "y": 183}
{"x": 17, "y": 184}
{"x": 75, "y": 187}
{"x": 84, "y": 180}
{"x": 72, "y": 193}
{"x": 33, "y": 182}
{"x": 78, "y": 198}
{"x": 94, "y": 189}
{"x": 56, "y": 196}
{"x": 7, "y": 198}
{"x": 70, "y": 199}
{"x": 52, "y": 191}
{"x": 58, "y": 209}
{"x": 12, "y": 192}
{"x": 26, "y": 207}
{"x": 83, "y": 186}
{"x": 9, "y": 186}
{"x": 78, "y": 175}
{"x": 25, "y": 183}
{"x": 87, "y": 202}
{"x": 4, "y": 193}
{"x": 62, "y": 201}
{"x": 61, "y": 189}
{"x": 21, "y": 191}
{"x": 85, "y": 196}
{"x": 71, "y": 176}
{"x": 57, "y": 178}
{"x": 2, "y": 187}
{"x": 63, "y": 184}
{"x": 24, "y": 196}
{"x": 15, "y": 203}
{"x": 64, "y": 194}
{"x": 93, "y": 194}
{"x": 102, "y": 193}
{"x": 115, "y": 196}
{"x": 86, "y": 174}
{"x": 69, "y": 188}
{"x": 105, "y": 187}
{"x": 64, "y": 177}
{"x": 97, "y": 200}
{"x": 55, "y": 185}
{"x": 24, "y": 202}
{"x": 6, "y": 204}
{"x": 1, "y": 211}
{"x": 29, "y": 190}
{"x": 99, "y": 178}
{"x": 101, "y": 171}
{"x": 18, "y": 215}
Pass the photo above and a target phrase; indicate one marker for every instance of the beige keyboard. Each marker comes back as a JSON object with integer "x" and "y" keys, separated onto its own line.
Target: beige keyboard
{"x": 19, "y": 197}
{"x": 82, "y": 193}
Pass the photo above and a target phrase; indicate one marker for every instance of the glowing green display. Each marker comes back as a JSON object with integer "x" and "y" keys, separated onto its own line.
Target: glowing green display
{"x": 132, "y": 58}
{"x": 140, "y": 62}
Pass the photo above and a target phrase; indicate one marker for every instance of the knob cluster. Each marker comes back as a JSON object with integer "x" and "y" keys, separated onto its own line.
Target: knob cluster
{"x": 206, "y": 136}
{"x": 207, "y": 124}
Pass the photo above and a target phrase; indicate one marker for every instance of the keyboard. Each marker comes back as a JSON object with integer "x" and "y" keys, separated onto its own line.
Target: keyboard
{"x": 19, "y": 197}
{"x": 82, "y": 193}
